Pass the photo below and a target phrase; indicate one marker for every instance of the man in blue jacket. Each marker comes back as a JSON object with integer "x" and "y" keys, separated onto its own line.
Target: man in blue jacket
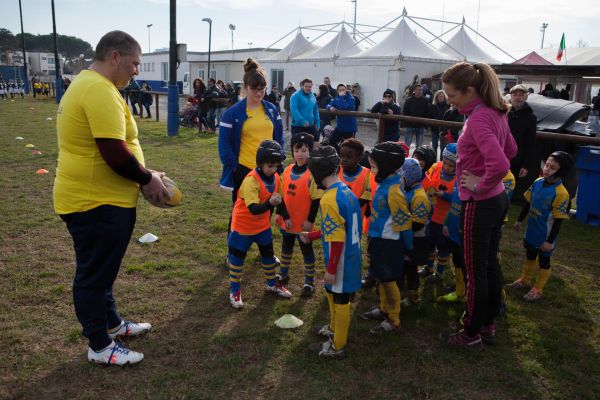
{"x": 305, "y": 112}
{"x": 346, "y": 125}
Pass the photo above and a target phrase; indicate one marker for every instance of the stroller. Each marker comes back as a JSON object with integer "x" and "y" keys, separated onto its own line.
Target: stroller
{"x": 189, "y": 115}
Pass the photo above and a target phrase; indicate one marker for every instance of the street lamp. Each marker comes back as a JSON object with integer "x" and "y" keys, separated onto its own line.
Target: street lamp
{"x": 543, "y": 30}
{"x": 209, "y": 37}
{"x": 231, "y": 28}
{"x": 148, "y": 26}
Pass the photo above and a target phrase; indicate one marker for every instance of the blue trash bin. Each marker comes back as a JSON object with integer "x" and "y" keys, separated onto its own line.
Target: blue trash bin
{"x": 588, "y": 192}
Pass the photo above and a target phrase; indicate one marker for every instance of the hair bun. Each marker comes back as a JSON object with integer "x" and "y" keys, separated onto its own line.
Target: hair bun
{"x": 250, "y": 65}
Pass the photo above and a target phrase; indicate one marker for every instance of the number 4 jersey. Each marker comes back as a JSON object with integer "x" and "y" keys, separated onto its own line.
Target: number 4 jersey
{"x": 341, "y": 221}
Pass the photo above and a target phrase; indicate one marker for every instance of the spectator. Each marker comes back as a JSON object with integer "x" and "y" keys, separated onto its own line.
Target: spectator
{"x": 221, "y": 102}
{"x": 199, "y": 92}
{"x": 305, "y": 113}
{"x": 565, "y": 92}
{"x": 356, "y": 98}
{"x": 332, "y": 91}
{"x": 596, "y": 102}
{"x": 133, "y": 93}
{"x": 346, "y": 125}
{"x": 274, "y": 97}
{"x": 439, "y": 107}
{"x": 146, "y": 99}
{"x": 212, "y": 93}
{"x": 427, "y": 92}
{"x": 549, "y": 91}
{"x": 287, "y": 94}
{"x": 415, "y": 106}
{"x": 323, "y": 99}
{"x": 391, "y": 128}
{"x": 523, "y": 124}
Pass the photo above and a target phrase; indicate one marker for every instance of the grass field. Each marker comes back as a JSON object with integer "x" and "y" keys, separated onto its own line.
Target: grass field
{"x": 203, "y": 349}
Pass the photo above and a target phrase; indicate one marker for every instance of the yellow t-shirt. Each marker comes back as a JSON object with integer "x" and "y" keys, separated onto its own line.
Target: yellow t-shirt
{"x": 92, "y": 108}
{"x": 257, "y": 127}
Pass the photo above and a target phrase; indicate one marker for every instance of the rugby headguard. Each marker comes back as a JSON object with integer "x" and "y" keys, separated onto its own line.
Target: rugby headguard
{"x": 302, "y": 138}
{"x": 427, "y": 154}
{"x": 411, "y": 172}
{"x": 323, "y": 162}
{"x": 449, "y": 153}
{"x": 564, "y": 160}
{"x": 269, "y": 151}
{"x": 389, "y": 157}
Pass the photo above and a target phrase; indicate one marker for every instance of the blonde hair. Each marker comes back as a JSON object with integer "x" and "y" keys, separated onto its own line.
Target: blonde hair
{"x": 480, "y": 77}
{"x": 434, "y": 101}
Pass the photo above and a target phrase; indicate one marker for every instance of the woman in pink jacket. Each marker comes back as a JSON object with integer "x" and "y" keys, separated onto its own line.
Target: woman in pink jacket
{"x": 484, "y": 151}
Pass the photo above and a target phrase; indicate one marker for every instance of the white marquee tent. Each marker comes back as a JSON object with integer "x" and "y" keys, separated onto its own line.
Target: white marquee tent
{"x": 462, "y": 47}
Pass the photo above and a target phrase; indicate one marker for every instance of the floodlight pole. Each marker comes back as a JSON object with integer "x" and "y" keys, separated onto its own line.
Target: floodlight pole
{"x": 354, "y": 24}
{"x": 149, "y": 26}
{"x": 209, "y": 21}
{"x": 543, "y": 29}
{"x": 26, "y": 80}
{"x": 58, "y": 80}
{"x": 173, "y": 89}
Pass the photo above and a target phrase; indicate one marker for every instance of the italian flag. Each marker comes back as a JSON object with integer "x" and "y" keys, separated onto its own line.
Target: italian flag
{"x": 562, "y": 48}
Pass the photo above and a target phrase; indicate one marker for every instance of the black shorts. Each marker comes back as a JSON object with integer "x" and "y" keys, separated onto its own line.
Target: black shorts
{"x": 387, "y": 258}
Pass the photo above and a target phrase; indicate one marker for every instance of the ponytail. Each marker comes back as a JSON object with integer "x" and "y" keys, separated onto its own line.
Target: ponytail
{"x": 480, "y": 77}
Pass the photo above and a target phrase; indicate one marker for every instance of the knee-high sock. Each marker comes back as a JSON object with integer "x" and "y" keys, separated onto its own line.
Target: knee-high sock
{"x": 382, "y": 297}
{"x": 309, "y": 272}
{"x": 331, "y": 311}
{"x": 459, "y": 279}
{"x": 235, "y": 273}
{"x": 528, "y": 270}
{"x": 441, "y": 264}
{"x": 392, "y": 294}
{"x": 284, "y": 267}
{"x": 341, "y": 326}
{"x": 542, "y": 279}
{"x": 268, "y": 267}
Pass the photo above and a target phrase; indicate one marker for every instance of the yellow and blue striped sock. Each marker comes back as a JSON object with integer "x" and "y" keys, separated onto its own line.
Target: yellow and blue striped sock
{"x": 268, "y": 267}
{"x": 235, "y": 273}
{"x": 284, "y": 266}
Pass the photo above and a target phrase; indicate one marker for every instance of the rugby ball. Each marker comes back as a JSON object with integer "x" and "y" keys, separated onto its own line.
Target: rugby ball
{"x": 175, "y": 193}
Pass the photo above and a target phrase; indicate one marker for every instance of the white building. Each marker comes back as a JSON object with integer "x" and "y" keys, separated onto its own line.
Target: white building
{"x": 226, "y": 65}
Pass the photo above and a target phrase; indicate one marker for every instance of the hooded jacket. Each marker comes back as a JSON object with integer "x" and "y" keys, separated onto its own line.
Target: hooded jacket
{"x": 523, "y": 124}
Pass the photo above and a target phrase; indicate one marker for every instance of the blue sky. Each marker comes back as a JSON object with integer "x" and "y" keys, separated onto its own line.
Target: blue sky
{"x": 513, "y": 25}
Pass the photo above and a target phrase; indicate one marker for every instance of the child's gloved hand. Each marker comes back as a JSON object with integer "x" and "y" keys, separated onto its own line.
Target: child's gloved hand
{"x": 304, "y": 237}
{"x": 275, "y": 199}
{"x": 329, "y": 279}
{"x": 307, "y": 226}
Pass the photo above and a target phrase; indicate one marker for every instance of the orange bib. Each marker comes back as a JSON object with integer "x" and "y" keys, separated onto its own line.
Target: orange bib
{"x": 373, "y": 185}
{"x": 296, "y": 196}
{"x": 242, "y": 220}
{"x": 434, "y": 183}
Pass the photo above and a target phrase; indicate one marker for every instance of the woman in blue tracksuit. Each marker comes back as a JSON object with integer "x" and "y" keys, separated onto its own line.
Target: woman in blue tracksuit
{"x": 243, "y": 126}
{"x": 305, "y": 111}
{"x": 346, "y": 125}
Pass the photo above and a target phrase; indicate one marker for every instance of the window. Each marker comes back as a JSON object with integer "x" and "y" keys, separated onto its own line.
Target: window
{"x": 164, "y": 71}
{"x": 277, "y": 79}
{"x": 201, "y": 73}
{"x": 50, "y": 60}
{"x": 152, "y": 67}
{"x": 43, "y": 58}
{"x": 213, "y": 74}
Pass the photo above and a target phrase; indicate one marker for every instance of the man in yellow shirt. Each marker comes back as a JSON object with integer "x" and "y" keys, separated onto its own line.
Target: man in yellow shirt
{"x": 98, "y": 177}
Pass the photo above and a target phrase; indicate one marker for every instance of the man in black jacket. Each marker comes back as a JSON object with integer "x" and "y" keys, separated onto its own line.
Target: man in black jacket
{"x": 415, "y": 106}
{"x": 391, "y": 129}
{"x": 523, "y": 125}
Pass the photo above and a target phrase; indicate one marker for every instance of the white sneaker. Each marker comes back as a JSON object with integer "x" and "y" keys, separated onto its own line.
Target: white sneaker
{"x": 115, "y": 354}
{"x": 280, "y": 290}
{"x": 129, "y": 329}
{"x": 235, "y": 299}
{"x": 325, "y": 331}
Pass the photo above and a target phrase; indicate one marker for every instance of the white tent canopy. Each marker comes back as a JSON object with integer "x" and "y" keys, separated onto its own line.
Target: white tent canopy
{"x": 342, "y": 45}
{"x": 295, "y": 48}
{"x": 403, "y": 42}
{"x": 467, "y": 48}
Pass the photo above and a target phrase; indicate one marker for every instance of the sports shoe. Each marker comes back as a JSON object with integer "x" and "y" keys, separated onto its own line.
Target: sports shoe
{"x": 533, "y": 295}
{"x": 385, "y": 327}
{"x": 326, "y": 331}
{"x": 283, "y": 279}
{"x": 376, "y": 314}
{"x": 518, "y": 284}
{"x": 425, "y": 272}
{"x": 451, "y": 297}
{"x": 328, "y": 350}
{"x": 368, "y": 282}
{"x": 307, "y": 290}
{"x": 129, "y": 329}
{"x": 488, "y": 334}
{"x": 462, "y": 339}
{"x": 277, "y": 260}
{"x": 235, "y": 299}
{"x": 280, "y": 290}
{"x": 115, "y": 354}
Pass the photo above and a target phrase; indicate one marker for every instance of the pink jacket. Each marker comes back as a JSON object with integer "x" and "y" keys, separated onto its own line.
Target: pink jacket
{"x": 484, "y": 149}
